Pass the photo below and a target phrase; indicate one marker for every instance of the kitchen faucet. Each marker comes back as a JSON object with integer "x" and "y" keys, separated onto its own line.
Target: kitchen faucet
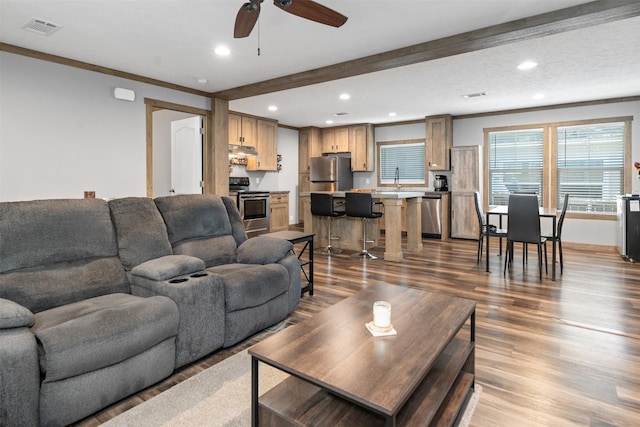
{"x": 396, "y": 179}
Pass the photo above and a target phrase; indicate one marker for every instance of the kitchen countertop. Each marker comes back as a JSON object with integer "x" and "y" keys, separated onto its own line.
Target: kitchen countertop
{"x": 375, "y": 195}
{"x": 279, "y": 192}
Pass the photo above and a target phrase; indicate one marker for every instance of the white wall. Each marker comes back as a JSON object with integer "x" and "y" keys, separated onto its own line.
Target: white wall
{"x": 62, "y": 131}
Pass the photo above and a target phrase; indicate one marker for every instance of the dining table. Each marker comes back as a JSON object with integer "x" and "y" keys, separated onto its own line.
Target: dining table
{"x": 503, "y": 211}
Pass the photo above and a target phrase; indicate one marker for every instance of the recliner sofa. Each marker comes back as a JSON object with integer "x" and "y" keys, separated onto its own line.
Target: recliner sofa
{"x": 100, "y": 300}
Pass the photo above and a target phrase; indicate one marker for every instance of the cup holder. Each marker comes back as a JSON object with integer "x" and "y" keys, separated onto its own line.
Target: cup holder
{"x": 178, "y": 280}
{"x": 199, "y": 275}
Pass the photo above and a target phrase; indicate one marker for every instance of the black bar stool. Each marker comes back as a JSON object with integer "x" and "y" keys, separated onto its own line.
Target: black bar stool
{"x": 360, "y": 205}
{"x": 322, "y": 205}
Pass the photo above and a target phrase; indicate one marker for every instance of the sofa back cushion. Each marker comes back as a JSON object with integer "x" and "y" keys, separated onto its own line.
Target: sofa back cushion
{"x": 198, "y": 225}
{"x": 54, "y": 252}
{"x": 140, "y": 231}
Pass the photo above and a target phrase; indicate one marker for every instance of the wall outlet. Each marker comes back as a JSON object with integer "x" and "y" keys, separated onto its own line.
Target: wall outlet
{"x": 291, "y": 218}
{"x": 367, "y": 181}
{"x": 257, "y": 180}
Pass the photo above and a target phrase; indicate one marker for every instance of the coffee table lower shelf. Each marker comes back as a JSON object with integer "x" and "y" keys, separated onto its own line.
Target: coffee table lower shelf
{"x": 438, "y": 401}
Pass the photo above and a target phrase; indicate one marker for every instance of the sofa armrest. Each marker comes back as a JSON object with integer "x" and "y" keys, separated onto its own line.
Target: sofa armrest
{"x": 168, "y": 267}
{"x": 14, "y": 315}
{"x": 199, "y": 296}
{"x": 263, "y": 250}
{"x": 19, "y": 368}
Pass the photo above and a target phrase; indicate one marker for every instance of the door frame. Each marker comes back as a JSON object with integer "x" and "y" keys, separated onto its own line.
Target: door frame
{"x": 156, "y": 105}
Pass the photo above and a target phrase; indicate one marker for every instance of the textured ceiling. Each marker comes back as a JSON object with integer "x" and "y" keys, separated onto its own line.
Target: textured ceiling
{"x": 173, "y": 41}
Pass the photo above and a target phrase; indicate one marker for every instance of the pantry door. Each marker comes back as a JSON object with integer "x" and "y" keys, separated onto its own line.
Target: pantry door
{"x": 186, "y": 156}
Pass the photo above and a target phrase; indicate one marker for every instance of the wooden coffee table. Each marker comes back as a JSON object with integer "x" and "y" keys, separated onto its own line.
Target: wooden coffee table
{"x": 341, "y": 375}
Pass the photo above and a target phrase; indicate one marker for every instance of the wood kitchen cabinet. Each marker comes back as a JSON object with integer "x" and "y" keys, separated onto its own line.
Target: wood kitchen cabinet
{"x": 243, "y": 130}
{"x": 266, "y": 160}
{"x": 439, "y": 140}
{"x": 466, "y": 179}
{"x": 309, "y": 145}
{"x": 279, "y": 212}
{"x": 335, "y": 140}
{"x": 362, "y": 148}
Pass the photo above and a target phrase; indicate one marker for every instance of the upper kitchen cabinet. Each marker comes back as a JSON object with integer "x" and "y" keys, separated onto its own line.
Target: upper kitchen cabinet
{"x": 309, "y": 145}
{"x": 362, "y": 148}
{"x": 243, "y": 130}
{"x": 439, "y": 139}
{"x": 335, "y": 140}
{"x": 266, "y": 160}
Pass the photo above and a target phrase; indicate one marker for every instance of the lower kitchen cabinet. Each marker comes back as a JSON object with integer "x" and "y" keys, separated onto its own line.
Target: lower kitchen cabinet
{"x": 279, "y": 215}
{"x": 464, "y": 220}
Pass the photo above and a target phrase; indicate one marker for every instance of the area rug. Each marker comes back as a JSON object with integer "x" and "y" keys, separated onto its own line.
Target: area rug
{"x": 219, "y": 396}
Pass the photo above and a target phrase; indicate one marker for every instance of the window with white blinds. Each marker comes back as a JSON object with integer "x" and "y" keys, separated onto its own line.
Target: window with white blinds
{"x": 516, "y": 164}
{"x": 591, "y": 166}
{"x": 407, "y": 157}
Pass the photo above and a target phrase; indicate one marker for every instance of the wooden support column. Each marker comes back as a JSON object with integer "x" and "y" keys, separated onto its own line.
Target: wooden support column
{"x": 217, "y": 150}
{"x": 414, "y": 224}
{"x": 392, "y": 229}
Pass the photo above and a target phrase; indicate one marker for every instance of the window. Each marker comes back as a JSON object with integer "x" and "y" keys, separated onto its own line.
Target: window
{"x": 585, "y": 159}
{"x": 516, "y": 163}
{"x": 407, "y": 157}
{"x": 591, "y": 166}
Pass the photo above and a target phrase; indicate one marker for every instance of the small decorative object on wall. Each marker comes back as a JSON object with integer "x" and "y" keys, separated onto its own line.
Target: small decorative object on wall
{"x": 637, "y": 166}
{"x": 279, "y": 161}
{"x": 89, "y": 194}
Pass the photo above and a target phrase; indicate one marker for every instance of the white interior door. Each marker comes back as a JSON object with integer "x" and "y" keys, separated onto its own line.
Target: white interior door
{"x": 186, "y": 156}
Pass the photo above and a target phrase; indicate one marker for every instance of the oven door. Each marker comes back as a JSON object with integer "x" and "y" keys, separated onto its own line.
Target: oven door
{"x": 254, "y": 210}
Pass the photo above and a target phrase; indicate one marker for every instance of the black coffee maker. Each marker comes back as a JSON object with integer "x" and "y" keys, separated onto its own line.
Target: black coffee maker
{"x": 440, "y": 183}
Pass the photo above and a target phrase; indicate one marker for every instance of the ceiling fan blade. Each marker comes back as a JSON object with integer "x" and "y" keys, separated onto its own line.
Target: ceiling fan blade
{"x": 313, "y": 11}
{"x": 246, "y": 19}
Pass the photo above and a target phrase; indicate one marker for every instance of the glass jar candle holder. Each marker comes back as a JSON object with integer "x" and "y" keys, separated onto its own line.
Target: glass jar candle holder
{"x": 382, "y": 314}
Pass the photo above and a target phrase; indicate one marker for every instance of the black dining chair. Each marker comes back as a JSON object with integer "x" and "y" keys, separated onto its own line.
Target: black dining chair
{"x": 485, "y": 229}
{"x": 558, "y": 234}
{"x": 360, "y": 205}
{"x": 322, "y": 204}
{"x": 524, "y": 227}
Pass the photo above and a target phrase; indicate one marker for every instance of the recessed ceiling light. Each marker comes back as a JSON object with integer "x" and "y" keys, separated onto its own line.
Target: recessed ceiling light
{"x": 392, "y": 114}
{"x": 527, "y": 65}
{"x": 273, "y": 108}
{"x": 474, "y": 95}
{"x": 345, "y": 96}
{"x": 538, "y": 96}
{"x": 329, "y": 122}
{"x": 202, "y": 80}
{"x": 222, "y": 51}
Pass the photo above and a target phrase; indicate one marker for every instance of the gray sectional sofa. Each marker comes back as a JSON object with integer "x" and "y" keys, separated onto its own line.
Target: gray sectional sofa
{"x": 100, "y": 300}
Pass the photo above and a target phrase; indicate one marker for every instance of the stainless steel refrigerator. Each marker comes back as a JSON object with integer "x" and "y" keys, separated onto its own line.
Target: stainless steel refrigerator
{"x": 331, "y": 173}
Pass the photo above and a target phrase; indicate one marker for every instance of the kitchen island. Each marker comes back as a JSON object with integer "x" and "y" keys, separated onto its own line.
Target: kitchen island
{"x": 350, "y": 229}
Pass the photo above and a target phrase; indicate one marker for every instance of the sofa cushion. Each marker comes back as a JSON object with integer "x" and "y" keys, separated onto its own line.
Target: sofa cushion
{"x": 212, "y": 250}
{"x": 40, "y": 232}
{"x": 263, "y": 250}
{"x": 102, "y": 331}
{"x": 193, "y": 216}
{"x": 250, "y": 285}
{"x": 14, "y": 315}
{"x": 48, "y": 286}
{"x": 140, "y": 230}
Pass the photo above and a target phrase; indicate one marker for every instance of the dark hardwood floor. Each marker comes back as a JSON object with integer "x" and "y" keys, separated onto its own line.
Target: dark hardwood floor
{"x": 563, "y": 353}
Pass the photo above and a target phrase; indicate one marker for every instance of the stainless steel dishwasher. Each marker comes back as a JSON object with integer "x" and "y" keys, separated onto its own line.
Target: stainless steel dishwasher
{"x": 432, "y": 215}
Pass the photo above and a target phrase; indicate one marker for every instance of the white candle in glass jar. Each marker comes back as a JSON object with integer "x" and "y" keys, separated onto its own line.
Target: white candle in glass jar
{"x": 382, "y": 314}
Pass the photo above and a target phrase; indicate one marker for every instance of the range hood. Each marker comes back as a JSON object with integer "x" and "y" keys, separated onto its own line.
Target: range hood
{"x": 242, "y": 150}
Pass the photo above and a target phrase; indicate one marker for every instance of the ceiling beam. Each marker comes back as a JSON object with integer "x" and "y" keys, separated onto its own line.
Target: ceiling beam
{"x": 546, "y": 24}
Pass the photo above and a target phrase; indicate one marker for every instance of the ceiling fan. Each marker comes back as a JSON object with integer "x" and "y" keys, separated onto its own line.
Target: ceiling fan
{"x": 308, "y": 9}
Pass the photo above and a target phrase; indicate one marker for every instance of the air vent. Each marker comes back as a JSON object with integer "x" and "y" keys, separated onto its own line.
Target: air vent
{"x": 40, "y": 26}
{"x": 474, "y": 95}
{"x": 340, "y": 114}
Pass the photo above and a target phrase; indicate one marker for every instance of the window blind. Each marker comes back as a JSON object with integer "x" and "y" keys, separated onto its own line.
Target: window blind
{"x": 591, "y": 166}
{"x": 516, "y": 164}
{"x": 407, "y": 157}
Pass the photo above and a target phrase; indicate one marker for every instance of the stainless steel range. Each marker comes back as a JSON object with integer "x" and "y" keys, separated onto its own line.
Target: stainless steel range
{"x": 253, "y": 206}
